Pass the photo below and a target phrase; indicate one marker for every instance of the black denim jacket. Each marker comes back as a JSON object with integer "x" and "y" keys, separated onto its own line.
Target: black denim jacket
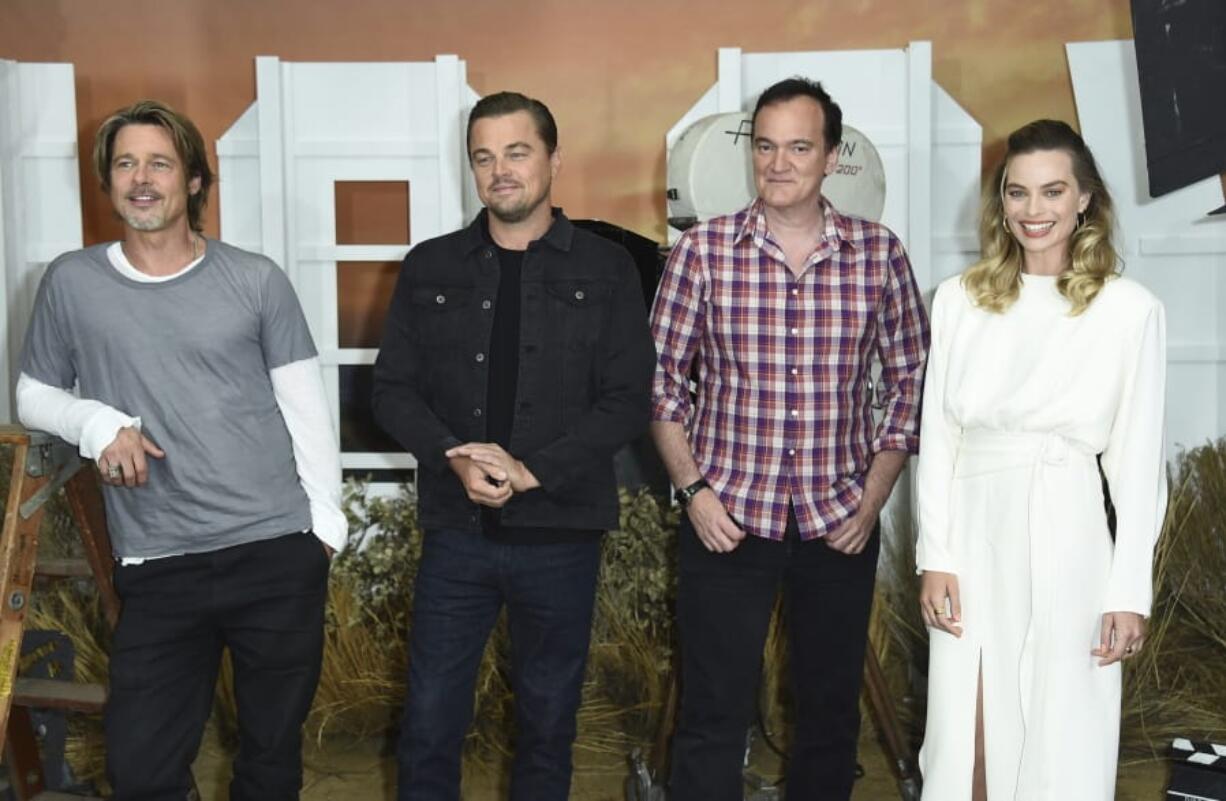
{"x": 586, "y": 360}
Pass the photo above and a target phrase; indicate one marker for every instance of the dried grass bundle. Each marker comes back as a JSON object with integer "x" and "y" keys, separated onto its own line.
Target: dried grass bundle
{"x": 1176, "y": 686}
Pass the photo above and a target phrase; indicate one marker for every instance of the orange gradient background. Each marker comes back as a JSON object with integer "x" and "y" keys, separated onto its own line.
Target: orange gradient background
{"x": 616, "y": 74}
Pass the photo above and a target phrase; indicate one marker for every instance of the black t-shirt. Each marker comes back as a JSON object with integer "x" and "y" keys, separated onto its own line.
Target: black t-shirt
{"x": 503, "y": 367}
{"x": 504, "y": 349}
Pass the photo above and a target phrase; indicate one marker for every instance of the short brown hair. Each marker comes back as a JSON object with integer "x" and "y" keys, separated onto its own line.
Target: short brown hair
{"x": 500, "y": 104}
{"x": 189, "y": 145}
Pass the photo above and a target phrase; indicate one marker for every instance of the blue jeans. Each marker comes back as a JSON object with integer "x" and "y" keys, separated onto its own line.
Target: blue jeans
{"x": 463, "y": 581}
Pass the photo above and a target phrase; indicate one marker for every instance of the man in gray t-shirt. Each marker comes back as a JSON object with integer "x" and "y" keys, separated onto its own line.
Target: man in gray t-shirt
{"x": 200, "y": 398}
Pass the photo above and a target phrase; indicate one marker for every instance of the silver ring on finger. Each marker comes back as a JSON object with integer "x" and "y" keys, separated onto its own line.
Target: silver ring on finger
{"x": 113, "y": 471}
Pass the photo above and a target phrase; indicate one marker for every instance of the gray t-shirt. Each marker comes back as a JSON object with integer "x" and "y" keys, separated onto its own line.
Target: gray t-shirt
{"x": 190, "y": 357}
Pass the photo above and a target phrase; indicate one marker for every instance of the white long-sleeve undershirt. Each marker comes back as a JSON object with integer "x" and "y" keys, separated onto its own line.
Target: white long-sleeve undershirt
{"x": 298, "y": 389}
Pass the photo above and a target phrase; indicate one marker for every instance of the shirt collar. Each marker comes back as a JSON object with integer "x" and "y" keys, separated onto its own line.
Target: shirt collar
{"x": 559, "y": 236}
{"x": 839, "y": 228}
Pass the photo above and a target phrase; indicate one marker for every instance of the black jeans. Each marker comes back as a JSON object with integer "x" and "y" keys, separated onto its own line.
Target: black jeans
{"x": 265, "y": 602}
{"x": 463, "y": 581}
{"x": 724, "y": 603}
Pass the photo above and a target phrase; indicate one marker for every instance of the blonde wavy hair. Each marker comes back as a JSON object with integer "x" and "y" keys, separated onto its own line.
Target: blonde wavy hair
{"x": 995, "y": 281}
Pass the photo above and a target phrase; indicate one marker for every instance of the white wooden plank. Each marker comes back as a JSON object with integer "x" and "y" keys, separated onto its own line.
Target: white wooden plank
{"x": 365, "y": 148}
{"x": 378, "y": 461}
{"x": 920, "y": 195}
{"x": 339, "y": 356}
{"x": 730, "y": 79}
{"x": 352, "y": 252}
{"x": 11, "y": 249}
{"x": 1182, "y": 244}
{"x": 272, "y": 159}
{"x": 448, "y": 100}
{"x": 1197, "y": 353}
{"x": 49, "y": 149}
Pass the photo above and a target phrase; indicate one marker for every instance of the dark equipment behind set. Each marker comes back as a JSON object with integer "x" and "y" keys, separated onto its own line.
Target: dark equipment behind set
{"x": 637, "y": 464}
{"x": 1181, "y": 65}
{"x": 648, "y": 256}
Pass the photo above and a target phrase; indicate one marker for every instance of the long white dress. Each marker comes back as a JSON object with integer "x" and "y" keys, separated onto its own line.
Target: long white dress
{"x": 1016, "y": 408}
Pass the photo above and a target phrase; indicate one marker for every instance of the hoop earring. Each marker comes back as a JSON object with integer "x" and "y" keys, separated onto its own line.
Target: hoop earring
{"x": 1004, "y": 223}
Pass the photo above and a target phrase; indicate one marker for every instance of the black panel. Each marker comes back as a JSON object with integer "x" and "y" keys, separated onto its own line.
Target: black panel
{"x": 1181, "y": 61}
{"x": 359, "y": 432}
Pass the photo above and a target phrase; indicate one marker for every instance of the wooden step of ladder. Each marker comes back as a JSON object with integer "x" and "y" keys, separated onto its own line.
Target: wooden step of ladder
{"x": 57, "y": 694}
{"x": 64, "y": 569}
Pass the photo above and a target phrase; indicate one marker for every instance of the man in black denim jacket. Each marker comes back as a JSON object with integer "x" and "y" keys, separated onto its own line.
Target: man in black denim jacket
{"x": 516, "y": 360}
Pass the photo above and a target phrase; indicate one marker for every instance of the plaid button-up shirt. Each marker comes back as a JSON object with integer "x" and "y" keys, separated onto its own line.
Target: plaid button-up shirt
{"x": 784, "y": 409}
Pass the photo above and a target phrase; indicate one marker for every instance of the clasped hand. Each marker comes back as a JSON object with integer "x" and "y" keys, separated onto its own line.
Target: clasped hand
{"x": 489, "y": 474}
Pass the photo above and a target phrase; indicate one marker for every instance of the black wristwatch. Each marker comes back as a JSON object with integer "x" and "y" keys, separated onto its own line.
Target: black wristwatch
{"x": 684, "y": 495}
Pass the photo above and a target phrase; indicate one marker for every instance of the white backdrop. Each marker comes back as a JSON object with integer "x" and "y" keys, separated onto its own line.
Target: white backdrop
{"x": 40, "y": 193}
{"x": 324, "y": 123}
{"x": 314, "y": 125}
{"x": 1169, "y": 244}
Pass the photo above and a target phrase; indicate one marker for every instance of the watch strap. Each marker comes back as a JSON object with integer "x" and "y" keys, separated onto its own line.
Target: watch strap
{"x": 684, "y": 495}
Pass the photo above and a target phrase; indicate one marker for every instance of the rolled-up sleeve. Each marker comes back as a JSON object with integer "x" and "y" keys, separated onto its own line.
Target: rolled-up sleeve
{"x": 902, "y": 346}
{"x": 677, "y": 319}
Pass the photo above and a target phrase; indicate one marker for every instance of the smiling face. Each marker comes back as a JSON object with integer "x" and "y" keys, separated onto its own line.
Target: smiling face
{"x": 149, "y": 188}
{"x": 790, "y": 158}
{"x": 1041, "y": 200}
{"x": 512, "y": 166}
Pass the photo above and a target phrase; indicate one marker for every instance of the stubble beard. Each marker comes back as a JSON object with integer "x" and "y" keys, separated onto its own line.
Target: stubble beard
{"x": 518, "y": 212}
{"x": 137, "y": 222}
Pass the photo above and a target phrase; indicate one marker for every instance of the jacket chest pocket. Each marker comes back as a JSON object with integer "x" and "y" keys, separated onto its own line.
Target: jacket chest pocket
{"x": 439, "y": 314}
{"x": 579, "y": 308}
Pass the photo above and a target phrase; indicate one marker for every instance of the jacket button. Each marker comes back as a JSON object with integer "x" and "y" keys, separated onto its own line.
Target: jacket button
{"x": 476, "y": 412}
{"x": 480, "y": 357}
{"x": 489, "y": 253}
{"x": 578, "y": 294}
{"x": 440, "y": 299}
{"x": 485, "y": 304}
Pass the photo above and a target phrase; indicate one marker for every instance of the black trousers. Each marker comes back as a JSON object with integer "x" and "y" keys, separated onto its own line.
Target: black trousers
{"x": 264, "y": 601}
{"x": 724, "y": 603}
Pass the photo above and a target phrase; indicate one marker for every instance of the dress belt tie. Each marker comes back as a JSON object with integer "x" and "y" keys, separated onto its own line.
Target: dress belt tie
{"x": 1045, "y": 457}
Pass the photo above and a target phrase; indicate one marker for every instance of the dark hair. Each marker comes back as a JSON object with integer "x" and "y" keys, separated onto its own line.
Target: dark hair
{"x": 189, "y": 145}
{"x": 790, "y": 88}
{"x": 500, "y": 104}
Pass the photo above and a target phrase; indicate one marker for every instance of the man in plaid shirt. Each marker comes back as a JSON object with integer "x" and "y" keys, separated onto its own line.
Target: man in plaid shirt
{"x": 777, "y": 311}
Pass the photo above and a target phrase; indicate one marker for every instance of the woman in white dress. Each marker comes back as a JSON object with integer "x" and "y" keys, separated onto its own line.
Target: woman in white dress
{"x": 1044, "y": 362}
